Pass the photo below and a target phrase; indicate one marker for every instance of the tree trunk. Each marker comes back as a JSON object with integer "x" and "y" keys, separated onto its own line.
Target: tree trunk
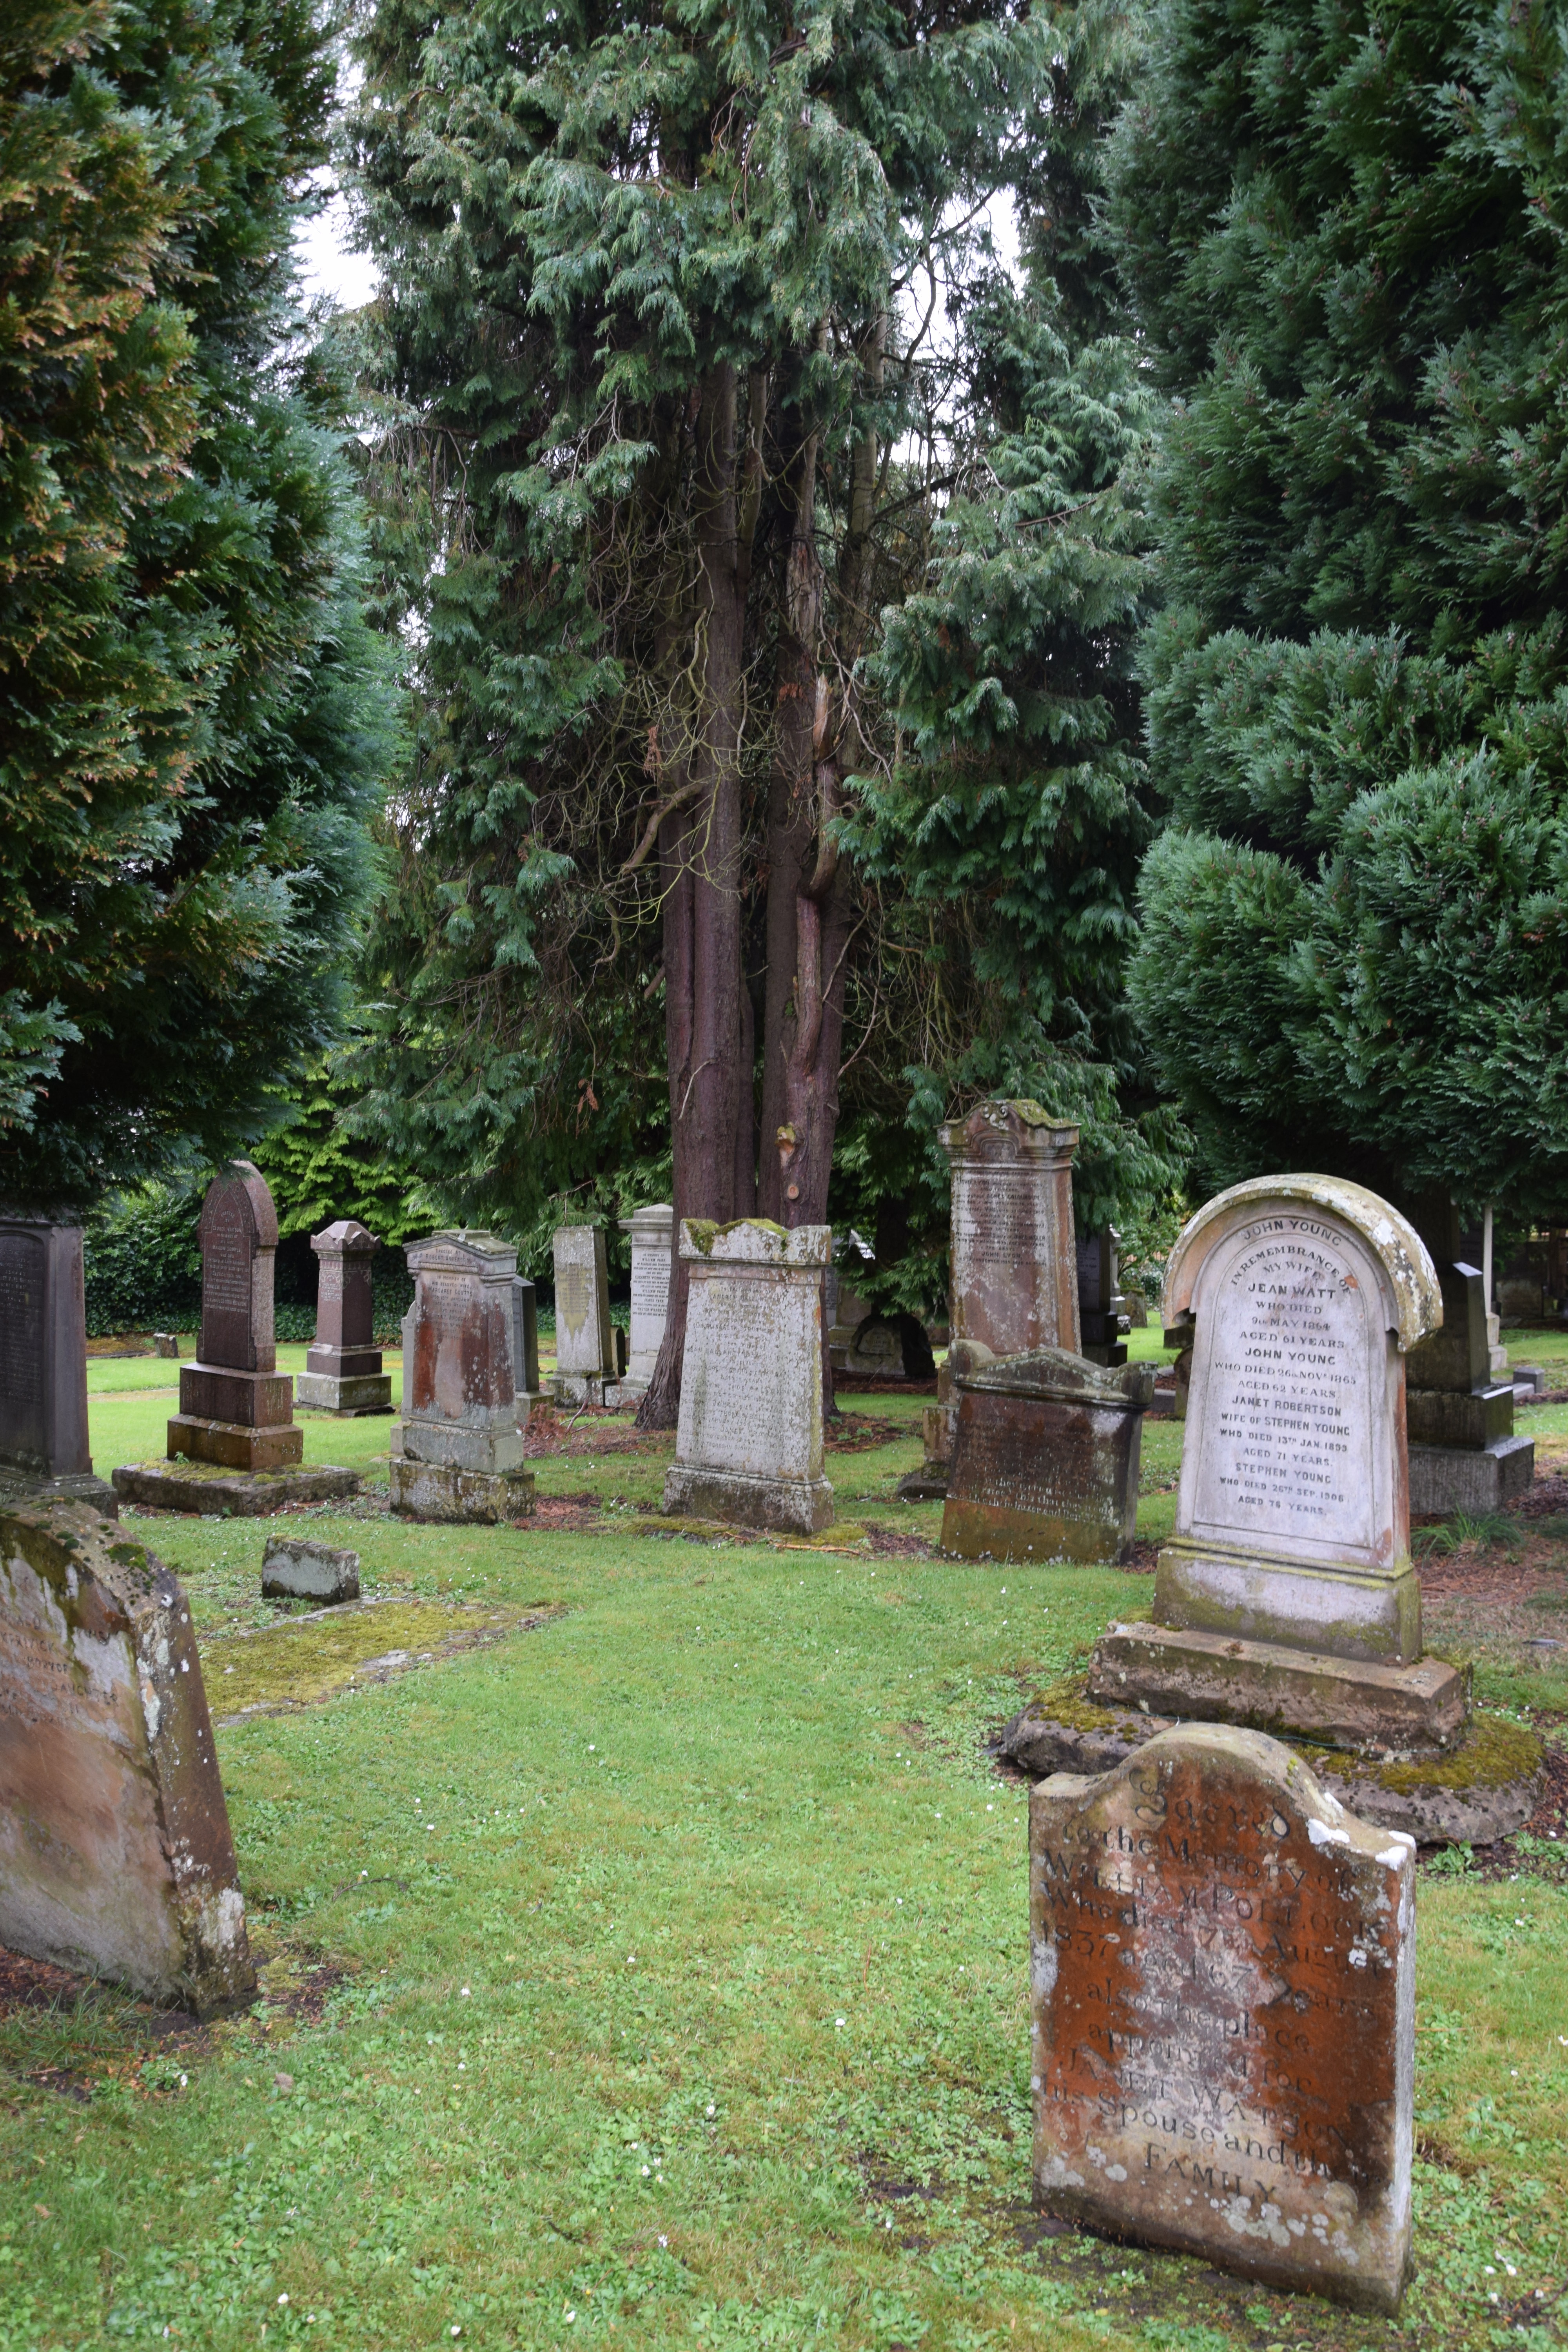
{"x": 701, "y": 874}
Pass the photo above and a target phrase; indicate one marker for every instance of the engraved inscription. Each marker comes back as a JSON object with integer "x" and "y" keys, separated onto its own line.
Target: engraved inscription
{"x": 22, "y": 1259}
{"x": 651, "y": 1294}
{"x": 1282, "y": 1388}
{"x": 226, "y": 1254}
{"x": 574, "y": 1296}
{"x": 1000, "y": 1218}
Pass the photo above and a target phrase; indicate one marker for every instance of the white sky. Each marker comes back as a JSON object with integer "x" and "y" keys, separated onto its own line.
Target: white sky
{"x": 330, "y": 266}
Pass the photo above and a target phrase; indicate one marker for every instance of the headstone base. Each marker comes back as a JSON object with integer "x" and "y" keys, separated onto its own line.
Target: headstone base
{"x": 1451, "y": 1478}
{"x": 295, "y": 1568}
{"x": 927, "y": 1485}
{"x": 446, "y": 1494}
{"x": 1486, "y": 1787}
{"x": 214, "y": 1492}
{"x": 576, "y": 1388}
{"x": 492, "y": 1450}
{"x": 24, "y": 1490}
{"x": 930, "y": 1483}
{"x": 1350, "y": 1612}
{"x": 802, "y": 1507}
{"x": 1266, "y": 1686}
{"x": 349, "y": 1398}
{"x": 622, "y": 1394}
{"x": 234, "y": 1445}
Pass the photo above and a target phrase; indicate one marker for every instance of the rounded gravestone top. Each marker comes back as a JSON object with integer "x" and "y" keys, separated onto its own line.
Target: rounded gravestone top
{"x": 241, "y": 1176}
{"x": 1414, "y": 1297}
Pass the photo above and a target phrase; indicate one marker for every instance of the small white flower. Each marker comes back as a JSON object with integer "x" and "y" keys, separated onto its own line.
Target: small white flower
{"x": 631, "y": 1960}
{"x": 710, "y": 2109}
{"x": 571, "y": 2316}
{"x": 664, "y": 2241}
{"x": 456, "y": 2329}
{"x": 282, "y": 2298}
{"x": 839, "y": 2021}
{"x": 464, "y": 1994}
{"x": 645, "y": 2170}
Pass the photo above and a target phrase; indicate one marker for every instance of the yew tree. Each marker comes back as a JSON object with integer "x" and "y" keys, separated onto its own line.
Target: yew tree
{"x": 649, "y": 355}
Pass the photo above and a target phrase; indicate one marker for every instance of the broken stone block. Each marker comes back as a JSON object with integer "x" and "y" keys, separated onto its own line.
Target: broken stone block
{"x": 294, "y": 1568}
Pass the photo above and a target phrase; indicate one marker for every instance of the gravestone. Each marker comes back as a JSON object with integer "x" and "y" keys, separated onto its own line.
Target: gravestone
{"x": 1285, "y": 1598}
{"x": 1045, "y": 1464}
{"x": 586, "y": 1354}
{"x": 749, "y": 1447}
{"x": 650, "y": 1229}
{"x": 525, "y": 1350}
{"x": 237, "y": 1409}
{"x": 43, "y": 1451}
{"x": 115, "y": 1851}
{"x": 1223, "y": 1987}
{"x": 1102, "y": 1310}
{"x": 296, "y": 1568}
{"x": 1465, "y": 1455}
{"x": 457, "y": 1453}
{"x": 342, "y": 1372}
{"x": 1014, "y": 1283}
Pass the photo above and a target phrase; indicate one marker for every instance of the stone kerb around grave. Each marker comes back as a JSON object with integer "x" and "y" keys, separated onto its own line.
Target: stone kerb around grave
{"x": 749, "y": 1447}
{"x": 1303, "y": 1294}
{"x": 1222, "y": 2000}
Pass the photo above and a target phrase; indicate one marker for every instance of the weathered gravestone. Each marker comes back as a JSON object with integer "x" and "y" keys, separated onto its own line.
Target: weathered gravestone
{"x": 1222, "y": 1973}
{"x": 234, "y": 1445}
{"x": 115, "y": 1851}
{"x": 651, "y": 1229}
{"x": 586, "y": 1343}
{"x": 342, "y": 1370}
{"x": 1102, "y": 1308}
{"x": 525, "y": 1349}
{"x": 1287, "y": 1598}
{"x": 296, "y": 1568}
{"x": 1045, "y": 1461}
{"x": 1465, "y": 1453}
{"x": 458, "y": 1454}
{"x": 1014, "y": 1258}
{"x": 749, "y": 1447}
{"x": 44, "y": 1450}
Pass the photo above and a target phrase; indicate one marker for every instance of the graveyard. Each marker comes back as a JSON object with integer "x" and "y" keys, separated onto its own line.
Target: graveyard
{"x": 639, "y": 1917}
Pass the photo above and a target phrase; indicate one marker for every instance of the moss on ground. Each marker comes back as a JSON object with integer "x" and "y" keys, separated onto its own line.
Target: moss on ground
{"x": 306, "y": 1660}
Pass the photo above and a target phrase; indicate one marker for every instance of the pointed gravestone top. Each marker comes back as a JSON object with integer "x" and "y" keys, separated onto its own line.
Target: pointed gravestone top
{"x": 238, "y": 1235}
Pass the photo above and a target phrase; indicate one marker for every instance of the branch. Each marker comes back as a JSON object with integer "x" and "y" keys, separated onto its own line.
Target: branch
{"x": 667, "y": 807}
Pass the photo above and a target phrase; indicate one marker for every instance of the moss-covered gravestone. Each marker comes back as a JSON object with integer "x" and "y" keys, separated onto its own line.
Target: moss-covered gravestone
{"x": 115, "y": 1851}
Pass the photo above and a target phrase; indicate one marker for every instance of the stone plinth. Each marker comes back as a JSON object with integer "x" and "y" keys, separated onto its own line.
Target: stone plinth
{"x": 213, "y": 1492}
{"x": 585, "y": 1350}
{"x": 115, "y": 1851}
{"x": 1464, "y": 1453}
{"x": 43, "y": 1451}
{"x": 1301, "y": 1294}
{"x": 1102, "y": 1308}
{"x": 1014, "y": 1283}
{"x": 1045, "y": 1466}
{"x": 1224, "y": 2012}
{"x": 651, "y": 1230}
{"x": 749, "y": 1447}
{"x": 237, "y": 1409}
{"x": 342, "y": 1372}
{"x": 459, "y": 1452}
{"x": 294, "y": 1568}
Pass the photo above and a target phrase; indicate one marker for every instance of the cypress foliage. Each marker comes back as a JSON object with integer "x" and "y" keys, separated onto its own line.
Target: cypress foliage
{"x": 193, "y": 721}
{"x": 1344, "y": 230}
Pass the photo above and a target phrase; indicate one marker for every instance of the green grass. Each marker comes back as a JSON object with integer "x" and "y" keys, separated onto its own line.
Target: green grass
{"x": 673, "y": 1957}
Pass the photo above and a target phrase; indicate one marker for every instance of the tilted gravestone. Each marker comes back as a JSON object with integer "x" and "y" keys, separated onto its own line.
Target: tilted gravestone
{"x": 459, "y": 1452}
{"x": 44, "y": 1449}
{"x": 235, "y": 1408}
{"x": 586, "y": 1354}
{"x": 1045, "y": 1460}
{"x": 115, "y": 1851}
{"x": 749, "y": 1445}
{"x": 651, "y": 1230}
{"x": 1285, "y": 1598}
{"x": 342, "y": 1370}
{"x": 1014, "y": 1283}
{"x": 1223, "y": 1974}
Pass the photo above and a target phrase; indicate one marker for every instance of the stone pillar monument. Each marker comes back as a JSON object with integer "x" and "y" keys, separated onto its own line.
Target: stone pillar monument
{"x": 459, "y": 1452}
{"x": 1014, "y": 1257}
{"x": 588, "y": 1349}
{"x": 749, "y": 1448}
{"x": 342, "y": 1371}
{"x": 44, "y": 1453}
{"x": 650, "y": 1229}
{"x": 237, "y": 1409}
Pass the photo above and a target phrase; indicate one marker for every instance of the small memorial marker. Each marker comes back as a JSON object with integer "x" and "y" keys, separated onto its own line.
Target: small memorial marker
{"x": 342, "y": 1370}
{"x": 459, "y": 1452}
{"x": 115, "y": 1851}
{"x": 1223, "y": 2014}
{"x": 44, "y": 1450}
{"x": 749, "y": 1447}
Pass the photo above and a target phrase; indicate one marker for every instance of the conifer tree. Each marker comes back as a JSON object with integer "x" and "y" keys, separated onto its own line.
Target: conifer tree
{"x": 194, "y": 720}
{"x": 1344, "y": 231}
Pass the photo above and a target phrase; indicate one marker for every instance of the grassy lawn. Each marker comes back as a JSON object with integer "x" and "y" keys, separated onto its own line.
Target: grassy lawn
{"x": 649, "y": 1966}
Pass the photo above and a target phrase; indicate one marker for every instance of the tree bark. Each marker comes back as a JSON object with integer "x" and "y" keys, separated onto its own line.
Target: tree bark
{"x": 700, "y": 873}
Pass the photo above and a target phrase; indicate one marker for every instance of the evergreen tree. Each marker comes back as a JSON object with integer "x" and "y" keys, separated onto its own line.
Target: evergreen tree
{"x": 1344, "y": 231}
{"x": 194, "y": 708}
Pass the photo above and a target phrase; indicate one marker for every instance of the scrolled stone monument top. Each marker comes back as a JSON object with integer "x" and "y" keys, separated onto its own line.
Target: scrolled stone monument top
{"x": 1407, "y": 1277}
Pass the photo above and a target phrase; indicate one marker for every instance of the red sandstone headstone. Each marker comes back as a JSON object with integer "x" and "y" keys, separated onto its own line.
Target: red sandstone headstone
{"x": 115, "y": 1851}
{"x": 1223, "y": 1994}
{"x": 44, "y": 1450}
{"x": 342, "y": 1371}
